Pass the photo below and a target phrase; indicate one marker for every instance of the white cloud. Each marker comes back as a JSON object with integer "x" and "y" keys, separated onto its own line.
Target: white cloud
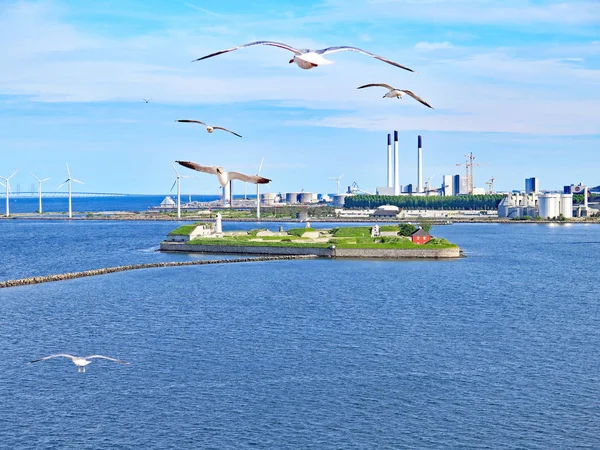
{"x": 431, "y": 46}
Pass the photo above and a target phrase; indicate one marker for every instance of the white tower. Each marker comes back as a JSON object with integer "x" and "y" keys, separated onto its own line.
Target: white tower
{"x": 420, "y": 167}
{"x": 68, "y": 182}
{"x": 390, "y": 167}
{"x": 396, "y": 166}
{"x": 258, "y": 190}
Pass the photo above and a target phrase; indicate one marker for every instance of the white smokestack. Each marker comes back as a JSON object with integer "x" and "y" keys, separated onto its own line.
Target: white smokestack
{"x": 390, "y": 170}
{"x": 420, "y": 167}
{"x": 396, "y": 166}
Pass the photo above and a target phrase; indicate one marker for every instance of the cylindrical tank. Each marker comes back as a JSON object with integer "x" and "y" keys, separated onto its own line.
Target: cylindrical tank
{"x": 291, "y": 198}
{"x": 549, "y": 205}
{"x": 566, "y": 205}
{"x": 268, "y": 198}
{"x": 306, "y": 197}
{"x": 513, "y": 212}
{"x": 338, "y": 199}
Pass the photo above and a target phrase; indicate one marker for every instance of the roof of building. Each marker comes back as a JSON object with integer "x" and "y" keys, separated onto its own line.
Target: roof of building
{"x": 420, "y": 232}
{"x": 168, "y": 201}
{"x": 388, "y": 208}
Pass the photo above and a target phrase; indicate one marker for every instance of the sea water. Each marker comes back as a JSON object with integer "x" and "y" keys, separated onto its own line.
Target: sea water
{"x": 495, "y": 350}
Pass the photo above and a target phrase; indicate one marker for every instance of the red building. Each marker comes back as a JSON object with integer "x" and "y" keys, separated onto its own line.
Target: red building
{"x": 420, "y": 236}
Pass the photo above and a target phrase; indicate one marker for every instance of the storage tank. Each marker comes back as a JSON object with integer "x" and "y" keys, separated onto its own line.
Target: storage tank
{"x": 291, "y": 198}
{"x": 306, "y": 197}
{"x": 566, "y": 205}
{"x": 549, "y": 205}
{"x": 338, "y": 199}
{"x": 268, "y": 198}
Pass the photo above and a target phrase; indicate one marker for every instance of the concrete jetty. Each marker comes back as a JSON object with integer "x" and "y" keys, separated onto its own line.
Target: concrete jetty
{"x": 107, "y": 270}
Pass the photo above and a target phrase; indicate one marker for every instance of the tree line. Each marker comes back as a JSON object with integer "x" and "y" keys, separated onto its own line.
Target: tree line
{"x": 463, "y": 202}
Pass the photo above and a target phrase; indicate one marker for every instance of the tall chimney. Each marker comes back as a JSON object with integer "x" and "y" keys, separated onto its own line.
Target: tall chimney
{"x": 390, "y": 169}
{"x": 396, "y": 166}
{"x": 420, "y": 167}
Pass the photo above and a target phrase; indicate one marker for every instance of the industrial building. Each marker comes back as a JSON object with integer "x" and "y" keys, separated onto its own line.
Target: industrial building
{"x": 547, "y": 206}
{"x": 532, "y": 185}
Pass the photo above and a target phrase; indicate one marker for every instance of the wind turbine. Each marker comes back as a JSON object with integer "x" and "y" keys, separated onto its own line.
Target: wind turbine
{"x": 178, "y": 183}
{"x": 337, "y": 182}
{"x": 68, "y": 181}
{"x": 40, "y": 189}
{"x": 258, "y": 190}
{"x": 7, "y": 186}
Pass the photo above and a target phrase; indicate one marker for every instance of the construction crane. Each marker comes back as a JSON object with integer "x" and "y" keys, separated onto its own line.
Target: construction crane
{"x": 490, "y": 183}
{"x": 469, "y": 165}
{"x": 427, "y": 190}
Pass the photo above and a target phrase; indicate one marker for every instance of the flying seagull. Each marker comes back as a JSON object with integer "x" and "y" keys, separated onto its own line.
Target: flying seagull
{"x": 146, "y": 100}
{"x": 224, "y": 177}
{"x": 398, "y": 93}
{"x": 79, "y": 361}
{"x": 306, "y": 58}
{"x": 209, "y": 128}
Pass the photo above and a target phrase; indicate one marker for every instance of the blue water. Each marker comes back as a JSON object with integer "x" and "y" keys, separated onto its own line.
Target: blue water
{"x": 496, "y": 350}
{"x": 133, "y": 203}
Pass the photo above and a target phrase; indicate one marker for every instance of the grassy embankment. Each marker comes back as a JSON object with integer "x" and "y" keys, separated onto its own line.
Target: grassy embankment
{"x": 347, "y": 237}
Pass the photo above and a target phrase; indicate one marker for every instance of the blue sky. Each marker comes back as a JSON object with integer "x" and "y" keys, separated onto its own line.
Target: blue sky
{"x": 515, "y": 82}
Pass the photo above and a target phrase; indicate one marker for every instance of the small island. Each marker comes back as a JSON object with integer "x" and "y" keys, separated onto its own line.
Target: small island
{"x": 385, "y": 241}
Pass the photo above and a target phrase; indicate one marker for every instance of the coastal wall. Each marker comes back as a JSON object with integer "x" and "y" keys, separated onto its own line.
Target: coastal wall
{"x": 389, "y": 253}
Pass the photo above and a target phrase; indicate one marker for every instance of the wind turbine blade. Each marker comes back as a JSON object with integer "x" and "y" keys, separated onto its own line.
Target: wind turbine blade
{"x": 187, "y": 176}
{"x": 2, "y": 184}
{"x": 173, "y": 165}
{"x": 77, "y": 181}
{"x": 174, "y": 183}
{"x": 45, "y": 179}
{"x": 65, "y": 182}
{"x": 341, "y": 176}
{"x": 35, "y": 176}
{"x": 68, "y": 170}
{"x": 260, "y": 167}
{"x": 12, "y": 175}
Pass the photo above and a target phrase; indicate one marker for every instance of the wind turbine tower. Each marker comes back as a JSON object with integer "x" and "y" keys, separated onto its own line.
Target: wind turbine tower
{"x": 40, "y": 190}
{"x": 68, "y": 182}
{"x": 337, "y": 180}
{"x": 258, "y": 190}
{"x": 178, "y": 183}
{"x": 6, "y": 184}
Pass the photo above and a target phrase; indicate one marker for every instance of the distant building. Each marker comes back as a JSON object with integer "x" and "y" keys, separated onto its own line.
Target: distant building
{"x": 408, "y": 189}
{"x": 478, "y": 191}
{"x": 386, "y": 211}
{"x": 420, "y": 236}
{"x": 532, "y": 185}
{"x": 516, "y": 204}
{"x": 385, "y": 190}
{"x": 461, "y": 185}
{"x": 448, "y": 185}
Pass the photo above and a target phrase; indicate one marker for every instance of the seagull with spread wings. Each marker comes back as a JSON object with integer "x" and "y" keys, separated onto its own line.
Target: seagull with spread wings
{"x": 397, "y": 93}
{"x": 79, "y": 361}
{"x": 306, "y": 58}
{"x": 224, "y": 176}
{"x": 209, "y": 128}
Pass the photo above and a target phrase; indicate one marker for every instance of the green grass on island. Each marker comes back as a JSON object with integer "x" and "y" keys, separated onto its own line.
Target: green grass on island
{"x": 397, "y": 237}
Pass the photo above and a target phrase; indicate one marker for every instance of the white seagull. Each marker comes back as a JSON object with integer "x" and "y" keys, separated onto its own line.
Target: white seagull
{"x": 306, "y": 58}
{"x": 209, "y": 128}
{"x": 79, "y": 361}
{"x": 224, "y": 177}
{"x": 397, "y": 93}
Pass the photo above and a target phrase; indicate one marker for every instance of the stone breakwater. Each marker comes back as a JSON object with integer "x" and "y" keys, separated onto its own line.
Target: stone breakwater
{"x": 107, "y": 270}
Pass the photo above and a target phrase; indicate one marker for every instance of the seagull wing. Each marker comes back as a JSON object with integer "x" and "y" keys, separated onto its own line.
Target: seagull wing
{"x": 274, "y": 44}
{"x": 377, "y": 84}
{"x": 190, "y": 121}
{"x": 417, "y": 98}
{"x": 225, "y": 129}
{"x": 59, "y": 355}
{"x": 256, "y": 179}
{"x": 106, "y": 357}
{"x": 354, "y": 49}
{"x": 195, "y": 166}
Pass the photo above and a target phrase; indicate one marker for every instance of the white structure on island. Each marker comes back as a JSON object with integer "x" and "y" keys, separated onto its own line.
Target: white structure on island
{"x": 205, "y": 229}
{"x": 546, "y": 206}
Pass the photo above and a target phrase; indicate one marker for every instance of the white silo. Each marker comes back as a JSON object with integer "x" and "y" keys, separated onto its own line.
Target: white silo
{"x": 268, "y": 198}
{"x": 549, "y": 205}
{"x": 339, "y": 199}
{"x": 566, "y": 205}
